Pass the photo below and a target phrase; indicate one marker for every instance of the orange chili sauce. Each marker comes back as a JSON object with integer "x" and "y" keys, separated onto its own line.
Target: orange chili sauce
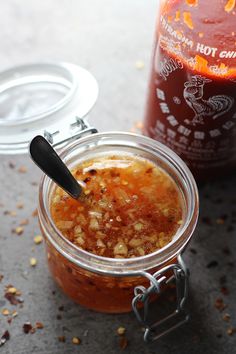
{"x": 143, "y": 208}
{"x": 131, "y": 208}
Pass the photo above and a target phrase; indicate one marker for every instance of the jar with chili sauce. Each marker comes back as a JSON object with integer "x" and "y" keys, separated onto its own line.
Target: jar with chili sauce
{"x": 191, "y": 103}
{"x": 52, "y": 99}
{"x": 118, "y": 284}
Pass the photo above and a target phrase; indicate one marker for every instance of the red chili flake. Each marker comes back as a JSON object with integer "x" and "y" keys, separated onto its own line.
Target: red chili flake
{"x": 62, "y": 339}
{"x": 61, "y": 308}
{"x": 220, "y": 221}
{"x": 226, "y": 317}
{"x": 11, "y": 165}
{"x": 22, "y": 169}
{"x": 231, "y": 331}
{"x": 39, "y": 325}
{"x": 226, "y": 250}
{"x": 123, "y": 342}
{"x": 59, "y": 317}
{"x": 92, "y": 172}
{"x": 24, "y": 222}
{"x": 212, "y": 264}
{"x": 1, "y": 277}
{"x": 87, "y": 179}
{"x": 4, "y": 338}
{"x": 149, "y": 170}
{"x": 224, "y": 290}
{"x": 13, "y": 297}
{"x": 20, "y": 205}
{"x": 35, "y": 213}
{"x": 219, "y": 304}
{"x": 27, "y": 327}
{"x": 139, "y": 124}
{"x": 206, "y": 220}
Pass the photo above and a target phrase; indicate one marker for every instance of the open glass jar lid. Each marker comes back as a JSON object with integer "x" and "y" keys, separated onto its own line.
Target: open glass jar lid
{"x": 45, "y": 99}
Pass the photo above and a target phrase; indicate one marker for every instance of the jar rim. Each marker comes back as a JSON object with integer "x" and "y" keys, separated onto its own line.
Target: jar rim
{"x": 122, "y": 266}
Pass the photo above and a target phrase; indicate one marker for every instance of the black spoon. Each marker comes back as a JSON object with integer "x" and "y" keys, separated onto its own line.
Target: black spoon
{"x": 46, "y": 158}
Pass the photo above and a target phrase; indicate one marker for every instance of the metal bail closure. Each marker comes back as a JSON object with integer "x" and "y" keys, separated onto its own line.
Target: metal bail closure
{"x": 78, "y": 127}
{"x": 172, "y": 273}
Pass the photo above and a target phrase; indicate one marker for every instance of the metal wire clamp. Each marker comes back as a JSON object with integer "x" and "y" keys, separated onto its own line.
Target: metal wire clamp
{"x": 178, "y": 273}
{"x": 76, "y": 129}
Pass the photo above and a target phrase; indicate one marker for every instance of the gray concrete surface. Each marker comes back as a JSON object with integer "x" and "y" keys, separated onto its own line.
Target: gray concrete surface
{"x": 107, "y": 37}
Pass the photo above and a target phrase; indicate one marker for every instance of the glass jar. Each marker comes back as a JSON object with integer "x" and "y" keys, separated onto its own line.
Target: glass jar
{"x": 116, "y": 285}
{"x": 191, "y": 99}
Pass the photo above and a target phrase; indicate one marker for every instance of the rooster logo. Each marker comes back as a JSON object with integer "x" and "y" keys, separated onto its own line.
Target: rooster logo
{"x": 214, "y": 106}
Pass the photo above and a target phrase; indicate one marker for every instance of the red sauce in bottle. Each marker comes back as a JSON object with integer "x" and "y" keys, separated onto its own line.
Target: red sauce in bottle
{"x": 191, "y": 104}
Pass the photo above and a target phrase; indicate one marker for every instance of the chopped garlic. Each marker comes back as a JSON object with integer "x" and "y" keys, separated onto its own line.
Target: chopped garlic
{"x": 94, "y": 224}
{"x": 100, "y": 243}
{"x": 121, "y": 249}
{"x": 138, "y": 226}
{"x": 134, "y": 242}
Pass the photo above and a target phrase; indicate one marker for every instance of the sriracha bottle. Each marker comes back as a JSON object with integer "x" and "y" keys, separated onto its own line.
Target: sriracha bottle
{"x": 191, "y": 105}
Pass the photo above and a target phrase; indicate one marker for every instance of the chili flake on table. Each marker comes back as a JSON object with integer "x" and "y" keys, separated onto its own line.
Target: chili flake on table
{"x": 131, "y": 207}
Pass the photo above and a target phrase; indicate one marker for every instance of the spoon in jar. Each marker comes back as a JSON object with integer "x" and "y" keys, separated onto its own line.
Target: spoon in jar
{"x": 46, "y": 158}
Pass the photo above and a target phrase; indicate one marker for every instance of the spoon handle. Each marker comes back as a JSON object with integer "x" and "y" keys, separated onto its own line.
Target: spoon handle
{"x": 51, "y": 164}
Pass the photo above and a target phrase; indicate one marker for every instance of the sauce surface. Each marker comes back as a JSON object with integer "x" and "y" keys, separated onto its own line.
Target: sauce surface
{"x": 131, "y": 207}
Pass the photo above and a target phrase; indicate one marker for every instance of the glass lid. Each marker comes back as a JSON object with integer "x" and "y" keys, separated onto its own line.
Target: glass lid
{"x": 42, "y": 99}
